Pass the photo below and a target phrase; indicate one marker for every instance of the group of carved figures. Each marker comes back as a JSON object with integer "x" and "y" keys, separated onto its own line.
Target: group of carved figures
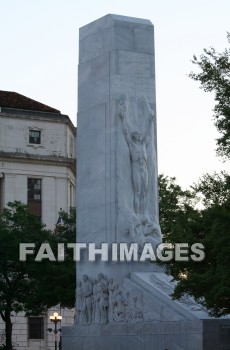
{"x": 102, "y": 301}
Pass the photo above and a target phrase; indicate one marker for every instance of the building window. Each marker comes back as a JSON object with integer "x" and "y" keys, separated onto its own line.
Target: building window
{"x": 34, "y": 189}
{"x": 35, "y": 137}
{"x": 36, "y": 327}
{"x": 34, "y": 197}
{"x": 225, "y": 335}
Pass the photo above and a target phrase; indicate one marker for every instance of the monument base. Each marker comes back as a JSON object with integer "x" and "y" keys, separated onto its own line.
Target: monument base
{"x": 175, "y": 335}
{"x": 166, "y": 324}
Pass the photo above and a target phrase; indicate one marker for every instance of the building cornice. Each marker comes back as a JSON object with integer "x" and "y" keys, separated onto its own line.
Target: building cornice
{"x": 16, "y": 157}
{"x": 42, "y": 116}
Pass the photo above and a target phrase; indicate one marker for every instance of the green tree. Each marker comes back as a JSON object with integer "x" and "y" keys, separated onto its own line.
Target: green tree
{"x": 208, "y": 281}
{"x": 213, "y": 188}
{"x": 17, "y": 226}
{"x": 59, "y": 275}
{"x": 211, "y": 282}
{"x": 214, "y": 76}
{"x": 64, "y": 277}
{"x": 29, "y": 285}
{"x": 174, "y": 203}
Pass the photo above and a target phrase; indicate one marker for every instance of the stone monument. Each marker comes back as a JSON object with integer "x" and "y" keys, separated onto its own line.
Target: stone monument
{"x": 121, "y": 305}
{"x": 117, "y": 196}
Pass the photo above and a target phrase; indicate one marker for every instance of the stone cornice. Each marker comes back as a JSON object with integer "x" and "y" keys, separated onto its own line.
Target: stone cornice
{"x": 42, "y": 116}
{"x": 16, "y": 157}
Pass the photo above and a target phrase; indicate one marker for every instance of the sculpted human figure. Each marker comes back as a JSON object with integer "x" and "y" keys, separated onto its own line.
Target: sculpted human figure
{"x": 96, "y": 303}
{"x": 87, "y": 292}
{"x": 102, "y": 287}
{"x": 111, "y": 288}
{"x": 118, "y": 305}
{"x": 137, "y": 144}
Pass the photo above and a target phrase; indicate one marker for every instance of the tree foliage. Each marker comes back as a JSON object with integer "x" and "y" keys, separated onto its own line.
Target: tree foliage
{"x": 214, "y": 189}
{"x": 214, "y": 75}
{"x": 32, "y": 286}
{"x": 173, "y": 203}
{"x": 208, "y": 281}
{"x": 64, "y": 278}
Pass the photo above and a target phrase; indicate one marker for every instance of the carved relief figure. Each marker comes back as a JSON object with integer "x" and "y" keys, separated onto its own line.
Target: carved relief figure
{"x": 102, "y": 288}
{"x": 96, "y": 303}
{"x": 111, "y": 288}
{"x": 105, "y": 302}
{"x": 118, "y": 305}
{"x": 87, "y": 292}
{"x": 142, "y": 227}
{"x": 145, "y": 232}
{"x": 137, "y": 144}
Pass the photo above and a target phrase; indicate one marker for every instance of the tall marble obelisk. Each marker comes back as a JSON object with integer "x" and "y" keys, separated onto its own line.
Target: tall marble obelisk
{"x": 122, "y": 305}
{"x": 117, "y": 198}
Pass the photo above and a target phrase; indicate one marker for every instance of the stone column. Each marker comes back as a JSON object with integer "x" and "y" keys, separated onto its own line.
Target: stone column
{"x": 117, "y": 199}
{"x": 121, "y": 305}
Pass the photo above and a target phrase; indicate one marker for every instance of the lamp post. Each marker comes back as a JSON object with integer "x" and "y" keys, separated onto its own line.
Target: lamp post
{"x": 55, "y": 318}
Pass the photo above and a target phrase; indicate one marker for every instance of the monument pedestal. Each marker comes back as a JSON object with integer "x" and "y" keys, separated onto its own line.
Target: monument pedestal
{"x": 140, "y": 336}
{"x": 178, "y": 325}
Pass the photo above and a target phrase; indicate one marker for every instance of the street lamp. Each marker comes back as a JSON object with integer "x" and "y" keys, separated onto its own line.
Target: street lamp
{"x": 55, "y": 318}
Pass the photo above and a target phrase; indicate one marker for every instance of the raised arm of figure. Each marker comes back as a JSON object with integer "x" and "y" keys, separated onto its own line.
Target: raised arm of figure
{"x": 123, "y": 111}
{"x": 151, "y": 115}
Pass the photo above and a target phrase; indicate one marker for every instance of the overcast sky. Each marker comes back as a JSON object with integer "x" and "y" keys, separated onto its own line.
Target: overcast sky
{"x": 39, "y": 58}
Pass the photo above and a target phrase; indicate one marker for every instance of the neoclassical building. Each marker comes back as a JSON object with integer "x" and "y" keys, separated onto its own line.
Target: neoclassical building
{"x": 37, "y": 167}
{"x": 37, "y": 156}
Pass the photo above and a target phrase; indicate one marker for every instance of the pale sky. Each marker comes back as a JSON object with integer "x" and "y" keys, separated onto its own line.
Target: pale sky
{"x": 39, "y": 58}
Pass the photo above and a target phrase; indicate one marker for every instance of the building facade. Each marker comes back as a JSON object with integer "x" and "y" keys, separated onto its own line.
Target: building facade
{"x": 37, "y": 167}
{"x": 37, "y": 156}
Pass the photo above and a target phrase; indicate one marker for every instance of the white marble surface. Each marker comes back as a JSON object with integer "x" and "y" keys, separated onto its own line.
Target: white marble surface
{"x": 144, "y": 336}
{"x": 117, "y": 58}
